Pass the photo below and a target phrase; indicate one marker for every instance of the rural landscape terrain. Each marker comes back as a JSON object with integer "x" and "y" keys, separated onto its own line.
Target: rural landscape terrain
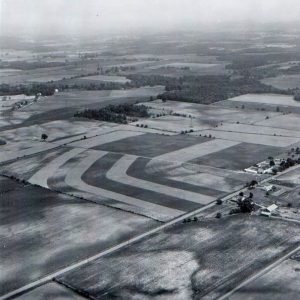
{"x": 161, "y": 166}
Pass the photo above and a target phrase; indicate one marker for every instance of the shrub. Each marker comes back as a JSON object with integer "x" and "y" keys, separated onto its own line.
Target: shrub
{"x": 218, "y": 215}
{"x": 219, "y": 202}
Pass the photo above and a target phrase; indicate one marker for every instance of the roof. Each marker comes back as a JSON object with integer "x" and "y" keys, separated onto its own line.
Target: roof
{"x": 272, "y": 207}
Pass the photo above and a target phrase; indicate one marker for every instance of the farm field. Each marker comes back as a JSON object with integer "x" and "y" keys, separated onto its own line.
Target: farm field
{"x": 292, "y": 177}
{"x": 192, "y": 66}
{"x": 282, "y": 282}
{"x": 187, "y": 58}
{"x": 176, "y": 124}
{"x": 52, "y": 233}
{"x": 63, "y": 105}
{"x": 284, "y": 81}
{"x": 245, "y": 155}
{"x": 260, "y": 130}
{"x": 186, "y": 261}
{"x": 26, "y": 141}
{"x": 203, "y": 179}
{"x": 49, "y": 291}
{"x": 106, "y": 78}
{"x": 289, "y": 122}
{"x": 7, "y": 102}
{"x": 159, "y": 206}
{"x": 55, "y": 130}
{"x": 7, "y": 72}
{"x": 85, "y": 98}
{"x": 244, "y": 137}
{"x": 213, "y": 114}
{"x": 272, "y": 99}
{"x": 113, "y": 168}
{"x": 38, "y": 75}
{"x": 173, "y": 71}
{"x": 150, "y": 145}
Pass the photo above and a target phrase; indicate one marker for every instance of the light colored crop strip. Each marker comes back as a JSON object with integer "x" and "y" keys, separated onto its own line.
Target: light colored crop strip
{"x": 41, "y": 177}
{"x": 195, "y": 151}
{"x": 74, "y": 180}
{"x": 118, "y": 173}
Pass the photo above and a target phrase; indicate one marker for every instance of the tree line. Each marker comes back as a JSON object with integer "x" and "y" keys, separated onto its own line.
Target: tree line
{"x": 115, "y": 113}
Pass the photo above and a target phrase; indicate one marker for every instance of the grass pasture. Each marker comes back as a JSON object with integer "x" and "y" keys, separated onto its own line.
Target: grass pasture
{"x": 201, "y": 259}
{"x": 51, "y": 231}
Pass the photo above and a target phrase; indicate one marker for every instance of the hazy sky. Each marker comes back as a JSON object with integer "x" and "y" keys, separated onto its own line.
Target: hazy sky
{"x": 80, "y": 16}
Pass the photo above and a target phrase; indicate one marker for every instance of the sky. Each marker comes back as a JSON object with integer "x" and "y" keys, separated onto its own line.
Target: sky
{"x": 38, "y": 17}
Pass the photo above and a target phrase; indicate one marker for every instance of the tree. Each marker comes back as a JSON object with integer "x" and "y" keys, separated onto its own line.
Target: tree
{"x": 253, "y": 183}
{"x": 297, "y": 96}
{"x": 44, "y": 136}
{"x": 218, "y": 215}
{"x": 272, "y": 163}
{"x": 219, "y": 202}
{"x": 246, "y": 206}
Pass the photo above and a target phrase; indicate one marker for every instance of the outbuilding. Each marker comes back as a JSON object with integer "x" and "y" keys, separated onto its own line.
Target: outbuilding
{"x": 272, "y": 208}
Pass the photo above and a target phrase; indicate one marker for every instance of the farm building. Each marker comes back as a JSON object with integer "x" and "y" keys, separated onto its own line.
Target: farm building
{"x": 269, "y": 188}
{"x": 268, "y": 211}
